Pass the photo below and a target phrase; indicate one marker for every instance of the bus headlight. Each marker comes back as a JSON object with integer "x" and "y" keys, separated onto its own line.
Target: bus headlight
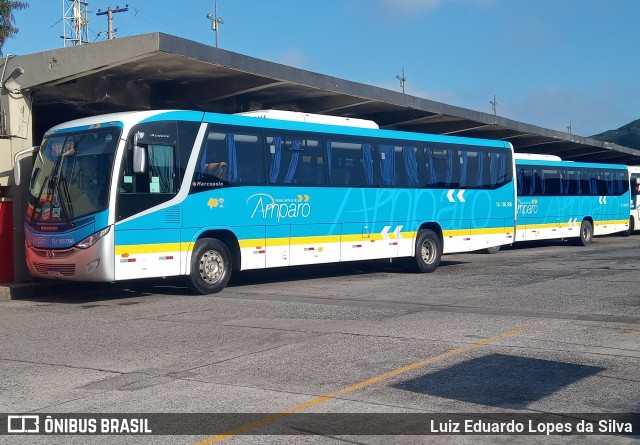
{"x": 92, "y": 239}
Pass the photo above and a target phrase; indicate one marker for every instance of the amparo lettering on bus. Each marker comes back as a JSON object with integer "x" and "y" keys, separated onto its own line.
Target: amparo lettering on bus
{"x": 267, "y": 207}
{"x": 528, "y": 208}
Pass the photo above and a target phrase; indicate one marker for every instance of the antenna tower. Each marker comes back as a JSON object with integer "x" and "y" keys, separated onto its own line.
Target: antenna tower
{"x": 76, "y": 22}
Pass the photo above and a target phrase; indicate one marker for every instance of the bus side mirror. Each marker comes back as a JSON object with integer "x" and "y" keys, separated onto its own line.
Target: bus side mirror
{"x": 139, "y": 155}
{"x": 16, "y": 164}
{"x": 139, "y": 159}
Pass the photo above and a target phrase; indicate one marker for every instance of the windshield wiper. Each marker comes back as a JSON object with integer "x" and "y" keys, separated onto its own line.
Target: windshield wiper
{"x": 65, "y": 200}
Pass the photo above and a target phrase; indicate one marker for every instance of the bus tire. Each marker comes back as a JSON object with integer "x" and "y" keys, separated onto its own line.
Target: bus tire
{"x": 210, "y": 266}
{"x": 586, "y": 233}
{"x": 428, "y": 251}
{"x": 494, "y": 249}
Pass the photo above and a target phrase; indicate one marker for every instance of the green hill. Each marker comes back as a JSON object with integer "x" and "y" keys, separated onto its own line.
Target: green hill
{"x": 628, "y": 135}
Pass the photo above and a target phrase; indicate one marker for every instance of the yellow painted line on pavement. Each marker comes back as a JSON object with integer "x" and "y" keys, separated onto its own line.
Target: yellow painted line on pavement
{"x": 325, "y": 398}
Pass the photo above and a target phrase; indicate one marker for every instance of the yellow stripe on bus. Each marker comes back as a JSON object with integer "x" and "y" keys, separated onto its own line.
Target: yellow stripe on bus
{"x": 136, "y": 249}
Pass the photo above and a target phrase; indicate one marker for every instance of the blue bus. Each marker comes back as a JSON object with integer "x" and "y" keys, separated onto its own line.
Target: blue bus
{"x": 565, "y": 199}
{"x": 169, "y": 193}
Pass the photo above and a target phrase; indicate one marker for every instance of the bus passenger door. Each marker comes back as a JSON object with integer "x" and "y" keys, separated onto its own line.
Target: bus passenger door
{"x": 148, "y": 224}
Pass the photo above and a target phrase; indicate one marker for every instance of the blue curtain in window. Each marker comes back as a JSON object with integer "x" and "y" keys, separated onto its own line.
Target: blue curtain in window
{"x": 387, "y": 165}
{"x": 367, "y": 163}
{"x": 493, "y": 168}
{"x": 532, "y": 186}
{"x": 503, "y": 169}
{"x": 328, "y": 146}
{"x": 543, "y": 185}
{"x": 450, "y": 167}
{"x": 520, "y": 181}
{"x": 411, "y": 165}
{"x": 480, "y": 181}
{"x": 293, "y": 164}
{"x": 275, "y": 160}
{"x": 463, "y": 169}
{"x": 578, "y": 183}
{"x": 593, "y": 186}
{"x": 620, "y": 182}
{"x": 433, "y": 178}
{"x": 232, "y": 165}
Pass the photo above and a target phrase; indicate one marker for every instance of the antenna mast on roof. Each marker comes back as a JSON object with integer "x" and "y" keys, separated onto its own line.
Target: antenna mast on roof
{"x": 494, "y": 107}
{"x": 402, "y": 80}
{"x": 76, "y": 22}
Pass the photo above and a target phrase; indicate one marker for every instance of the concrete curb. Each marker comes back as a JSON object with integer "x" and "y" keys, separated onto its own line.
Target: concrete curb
{"x": 43, "y": 289}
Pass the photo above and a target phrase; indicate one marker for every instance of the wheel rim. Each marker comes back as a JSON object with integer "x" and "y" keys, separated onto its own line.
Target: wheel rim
{"x": 586, "y": 232}
{"x": 211, "y": 267}
{"x": 428, "y": 251}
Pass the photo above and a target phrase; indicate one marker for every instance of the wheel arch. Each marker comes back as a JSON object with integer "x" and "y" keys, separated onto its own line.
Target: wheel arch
{"x": 435, "y": 227}
{"x": 225, "y": 236}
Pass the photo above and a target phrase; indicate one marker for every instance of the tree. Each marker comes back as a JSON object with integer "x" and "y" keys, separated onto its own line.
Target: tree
{"x": 7, "y": 20}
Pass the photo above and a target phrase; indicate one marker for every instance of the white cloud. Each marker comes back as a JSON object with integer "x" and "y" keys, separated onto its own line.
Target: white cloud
{"x": 402, "y": 9}
{"x": 292, "y": 57}
{"x": 407, "y": 8}
{"x": 556, "y": 109}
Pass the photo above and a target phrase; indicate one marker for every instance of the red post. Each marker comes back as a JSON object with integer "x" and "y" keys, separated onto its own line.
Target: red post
{"x": 6, "y": 241}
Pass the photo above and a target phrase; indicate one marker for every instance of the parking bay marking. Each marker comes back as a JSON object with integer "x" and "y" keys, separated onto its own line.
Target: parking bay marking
{"x": 325, "y": 398}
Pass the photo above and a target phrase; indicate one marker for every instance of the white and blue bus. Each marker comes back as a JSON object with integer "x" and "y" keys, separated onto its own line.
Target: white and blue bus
{"x": 168, "y": 193}
{"x": 634, "y": 181}
{"x": 564, "y": 199}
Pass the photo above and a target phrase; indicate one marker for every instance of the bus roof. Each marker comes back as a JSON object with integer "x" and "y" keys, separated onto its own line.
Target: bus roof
{"x": 130, "y": 118}
{"x": 546, "y": 162}
{"x": 536, "y": 157}
{"x": 311, "y": 118}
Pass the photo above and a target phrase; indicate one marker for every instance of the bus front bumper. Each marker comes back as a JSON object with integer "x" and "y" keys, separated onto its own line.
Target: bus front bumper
{"x": 94, "y": 263}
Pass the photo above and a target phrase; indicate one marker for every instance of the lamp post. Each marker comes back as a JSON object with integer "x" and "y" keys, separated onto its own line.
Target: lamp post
{"x": 215, "y": 20}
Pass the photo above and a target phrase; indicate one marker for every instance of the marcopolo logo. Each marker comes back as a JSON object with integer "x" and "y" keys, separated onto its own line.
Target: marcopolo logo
{"x": 267, "y": 207}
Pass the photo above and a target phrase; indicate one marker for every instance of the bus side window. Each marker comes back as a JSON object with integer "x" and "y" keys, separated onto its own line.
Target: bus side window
{"x": 162, "y": 169}
{"x": 408, "y": 172}
{"x": 445, "y": 167}
{"x": 214, "y": 159}
{"x": 160, "y": 176}
{"x": 635, "y": 187}
{"x": 398, "y": 165}
{"x": 351, "y": 163}
{"x": 249, "y": 156}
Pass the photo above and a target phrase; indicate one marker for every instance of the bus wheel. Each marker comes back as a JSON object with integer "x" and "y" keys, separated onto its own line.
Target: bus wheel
{"x": 586, "y": 233}
{"x": 210, "y": 266}
{"x": 494, "y": 249}
{"x": 428, "y": 251}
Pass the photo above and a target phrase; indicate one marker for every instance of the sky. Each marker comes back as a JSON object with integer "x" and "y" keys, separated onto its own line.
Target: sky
{"x": 551, "y": 63}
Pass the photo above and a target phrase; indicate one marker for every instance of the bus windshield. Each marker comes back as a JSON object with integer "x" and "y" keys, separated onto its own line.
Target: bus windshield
{"x": 71, "y": 176}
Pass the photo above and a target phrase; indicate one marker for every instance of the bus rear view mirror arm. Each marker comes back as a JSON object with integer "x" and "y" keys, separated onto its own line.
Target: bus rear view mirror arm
{"x": 16, "y": 164}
